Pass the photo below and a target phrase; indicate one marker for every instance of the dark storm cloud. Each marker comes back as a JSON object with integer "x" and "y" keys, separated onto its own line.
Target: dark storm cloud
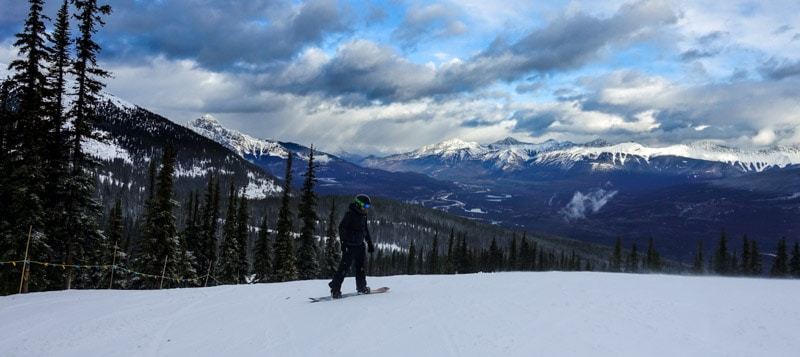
{"x": 429, "y": 21}
{"x": 534, "y": 122}
{"x": 221, "y": 35}
{"x": 778, "y": 70}
{"x": 380, "y": 73}
{"x": 782, "y": 29}
{"x": 697, "y": 53}
{"x": 708, "y": 45}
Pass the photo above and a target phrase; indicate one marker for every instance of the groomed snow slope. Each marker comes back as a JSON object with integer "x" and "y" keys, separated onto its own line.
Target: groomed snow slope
{"x": 509, "y": 314}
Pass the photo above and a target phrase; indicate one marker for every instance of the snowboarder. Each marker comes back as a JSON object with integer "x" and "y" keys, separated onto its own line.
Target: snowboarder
{"x": 353, "y": 232}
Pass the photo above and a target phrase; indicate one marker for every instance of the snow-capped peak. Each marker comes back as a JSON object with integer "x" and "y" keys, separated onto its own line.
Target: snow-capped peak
{"x": 508, "y": 142}
{"x": 242, "y": 144}
{"x": 510, "y": 154}
{"x": 452, "y": 148}
{"x": 746, "y": 160}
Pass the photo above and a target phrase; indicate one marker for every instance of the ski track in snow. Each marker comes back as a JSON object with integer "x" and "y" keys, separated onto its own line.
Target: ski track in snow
{"x": 509, "y": 314}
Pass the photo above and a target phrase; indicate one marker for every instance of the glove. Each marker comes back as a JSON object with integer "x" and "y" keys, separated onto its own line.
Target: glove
{"x": 370, "y": 247}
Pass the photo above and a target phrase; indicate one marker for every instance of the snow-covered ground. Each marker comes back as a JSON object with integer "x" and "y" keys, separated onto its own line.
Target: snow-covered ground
{"x": 509, "y": 314}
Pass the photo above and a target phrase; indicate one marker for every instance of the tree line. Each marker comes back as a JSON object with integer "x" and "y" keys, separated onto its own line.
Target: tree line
{"x": 47, "y": 187}
{"x": 748, "y": 261}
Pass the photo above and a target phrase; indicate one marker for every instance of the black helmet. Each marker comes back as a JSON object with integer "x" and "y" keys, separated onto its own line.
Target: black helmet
{"x": 363, "y": 201}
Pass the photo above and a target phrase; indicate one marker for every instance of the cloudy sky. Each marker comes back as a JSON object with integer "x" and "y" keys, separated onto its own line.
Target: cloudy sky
{"x": 388, "y": 76}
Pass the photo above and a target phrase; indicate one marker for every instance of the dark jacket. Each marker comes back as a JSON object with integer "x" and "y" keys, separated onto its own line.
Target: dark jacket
{"x": 353, "y": 227}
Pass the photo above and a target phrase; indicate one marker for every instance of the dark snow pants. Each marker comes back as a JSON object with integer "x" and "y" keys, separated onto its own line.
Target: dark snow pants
{"x": 351, "y": 254}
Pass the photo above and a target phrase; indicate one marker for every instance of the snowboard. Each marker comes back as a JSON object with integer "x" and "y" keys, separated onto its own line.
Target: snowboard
{"x": 329, "y": 298}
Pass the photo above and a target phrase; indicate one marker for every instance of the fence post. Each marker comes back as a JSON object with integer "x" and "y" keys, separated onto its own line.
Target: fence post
{"x": 162, "y": 273}
{"x": 113, "y": 265}
{"x": 207, "y": 274}
{"x": 25, "y": 261}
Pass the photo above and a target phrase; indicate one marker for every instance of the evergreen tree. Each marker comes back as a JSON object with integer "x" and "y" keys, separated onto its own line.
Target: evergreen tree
{"x": 56, "y": 152}
{"x": 115, "y": 224}
{"x": 794, "y": 263}
{"x": 160, "y": 238}
{"x": 411, "y": 263}
{"x": 494, "y": 256}
{"x": 421, "y": 260}
{"x": 524, "y": 254}
{"x": 450, "y": 265}
{"x": 263, "y": 254}
{"x": 228, "y": 266}
{"x": 632, "y": 263}
{"x": 780, "y": 266}
{"x": 653, "y": 259}
{"x": 512, "y": 254}
{"x": 22, "y": 186}
{"x": 463, "y": 261}
{"x": 433, "y": 257}
{"x": 205, "y": 247}
{"x": 697, "y": 266}
{"x": 333, "y": 249}
{"x": 242, "y": 237}
{"x": 755, "y": 259}
{"x": 81, "y": 207}
{"x": 616, "y": 257}
{"x": 721, "y": 257}
{"x": 746, "y": 260}
{"x": 285, "y": 268}
{"x": 307, "y": 262}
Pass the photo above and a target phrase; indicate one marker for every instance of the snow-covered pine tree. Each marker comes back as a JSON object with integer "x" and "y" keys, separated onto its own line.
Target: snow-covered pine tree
{"x": 242, "y": 238}
{"x": 780, "y": 266}
{"x": 262, "y": 260}
{"x": 285, "y": 268}
{"x": 114, "y": 234}
{"x": 187, "y": 260}
{"x": 307, "y": 261}
{"x": 82, "y": 209}
{"x": 228, "y": 263}
{"x": 160, "y": 239}
{"x": 333, "y": 249}
{"x": 56, "y": 152}
{"x": 22, "y": 186}
{"x": 206, "y": 246}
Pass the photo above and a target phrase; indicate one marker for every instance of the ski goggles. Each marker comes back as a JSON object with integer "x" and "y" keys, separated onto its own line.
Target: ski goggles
{"x": 362, "y": 204}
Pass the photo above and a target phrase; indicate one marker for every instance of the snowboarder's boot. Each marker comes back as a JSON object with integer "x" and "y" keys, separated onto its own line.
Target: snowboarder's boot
{"x": 336, "y": 292}
{"x": 364, "y": 290}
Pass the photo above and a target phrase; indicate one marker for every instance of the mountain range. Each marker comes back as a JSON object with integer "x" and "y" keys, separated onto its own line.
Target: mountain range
{"x": 133, "y": 138}
{"x": 594, "y": 192}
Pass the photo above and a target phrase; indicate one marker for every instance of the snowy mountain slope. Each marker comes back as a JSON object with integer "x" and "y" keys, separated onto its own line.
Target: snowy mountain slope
{"x": 513, "y": 155}
{"x": 131, "y": 136}
{"x": 509, "y": 314}
{"x": 335, "y": 175}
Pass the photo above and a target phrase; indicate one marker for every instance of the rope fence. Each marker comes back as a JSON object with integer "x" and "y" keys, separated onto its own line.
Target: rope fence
{"x": 26, "y": 263}
{"x": 115, "y": 267}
